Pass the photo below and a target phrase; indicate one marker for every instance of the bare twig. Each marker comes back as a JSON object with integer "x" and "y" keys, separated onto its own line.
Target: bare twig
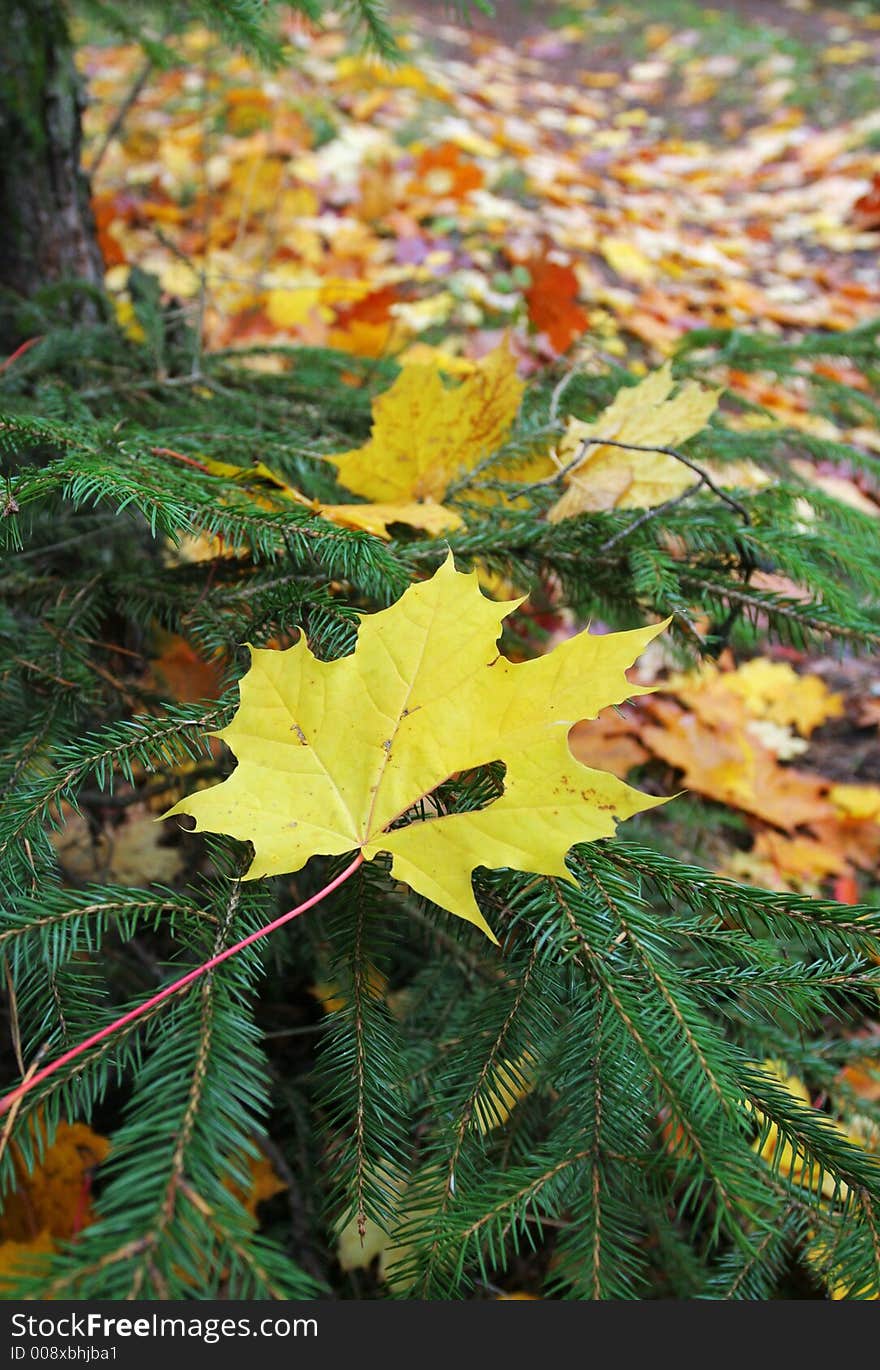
{"x": 13, "y": 1016}
{"x": 649, "y": 514}
{"x": 558, "y": 391}
{"x": 698, "y": 470}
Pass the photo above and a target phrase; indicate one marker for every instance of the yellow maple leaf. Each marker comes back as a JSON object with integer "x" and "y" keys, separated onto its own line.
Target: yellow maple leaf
{"x": 774, "y": 690}
{"x": 426, "y": 433}
{"x": 332, "y": 754}
{"x": 371, "y": 518}
{"x": 377, "y": 518}
{"x": 612, "y": 478}
{"x": 770, "y": 690}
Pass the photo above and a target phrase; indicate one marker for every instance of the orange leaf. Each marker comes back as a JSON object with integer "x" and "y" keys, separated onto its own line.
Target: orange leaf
{"x": 442, "y": 173}
{"x": 552, "y": 303}
{"x": 866, "y": 210}
{"x": 733, "y": 767}
{"x": 184, "y": 674}
{"x": 610, "y": 743}
{"x": 53, "y": 1198}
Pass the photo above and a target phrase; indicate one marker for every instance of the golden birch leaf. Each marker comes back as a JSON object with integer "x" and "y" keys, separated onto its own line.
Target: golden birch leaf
{"x": 332, "y": 754}
{"x": 425, "y": 433}
{"x": 612, "y": 478}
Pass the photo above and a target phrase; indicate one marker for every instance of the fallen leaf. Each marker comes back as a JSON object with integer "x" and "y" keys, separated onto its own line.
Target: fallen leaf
{"x": 610, "y": 743}
{"x": 799, "y": 859}
{"x": 627, "y": 260}
{"x": 770, "y": 690}
{"x": 866, "y": 210}
{"x": 332, "y": 999}
{"x": 788, "y": 1160}
{"x": 129, "y": 853}
{"x": 441, "y": 173}
{"x": 264, "y": 1184}
{"x": 605, "y": 477}
{"x": 425, "y": 696}
{"x": 856, "y": 839}
{"x": 425, "y": 433}
{"x": 53, "y": 1199}
{"x": 186, "y": 676}
{"x": 509, "y": 1082}
{"x": 137, "y": 856}
{"x": 857, "y": 801}
{"x": 734, "y": 768}
{"x": 377, "y": 518}
{"x": 552, "y": 303}
{"x": 267, "y": 486}
{"x": 360, "y": 1241}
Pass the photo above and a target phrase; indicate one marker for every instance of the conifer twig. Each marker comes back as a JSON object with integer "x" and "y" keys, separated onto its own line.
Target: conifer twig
{"x": 27, "y": 1085}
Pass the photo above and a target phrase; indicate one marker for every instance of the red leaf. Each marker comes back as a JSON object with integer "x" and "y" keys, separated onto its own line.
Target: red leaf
{"x": 552, "y": 303}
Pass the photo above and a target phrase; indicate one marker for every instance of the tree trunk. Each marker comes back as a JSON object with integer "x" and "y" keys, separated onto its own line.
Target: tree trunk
{"x": 47, "y": 229}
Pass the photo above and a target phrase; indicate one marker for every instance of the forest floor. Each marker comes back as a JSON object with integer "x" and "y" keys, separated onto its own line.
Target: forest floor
{"x": 588, "y": 184}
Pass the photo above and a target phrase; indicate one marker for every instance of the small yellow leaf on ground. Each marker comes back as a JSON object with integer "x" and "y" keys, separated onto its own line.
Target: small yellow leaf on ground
{"x": 773, "y": 690}
{"x": 627, "y": 260}
{"x": 770, "y": 690}
{"x": 861, "y": 802}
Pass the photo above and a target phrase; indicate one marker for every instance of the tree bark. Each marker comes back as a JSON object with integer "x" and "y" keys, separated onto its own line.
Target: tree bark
{"x": 47, "y": 229}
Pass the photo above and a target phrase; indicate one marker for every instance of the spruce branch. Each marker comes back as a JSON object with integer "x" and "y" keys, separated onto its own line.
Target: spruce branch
{"x": 173, "y": 989}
